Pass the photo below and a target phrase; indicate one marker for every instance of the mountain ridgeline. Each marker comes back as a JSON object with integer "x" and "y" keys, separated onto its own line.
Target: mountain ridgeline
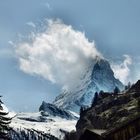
{"x": 111, "y": 111}
{"x": 48, "y": 109}
{"x": 98, "y": 77}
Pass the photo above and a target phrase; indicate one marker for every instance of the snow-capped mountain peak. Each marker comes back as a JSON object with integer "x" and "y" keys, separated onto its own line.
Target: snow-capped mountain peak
{"x": 99, "y": 76}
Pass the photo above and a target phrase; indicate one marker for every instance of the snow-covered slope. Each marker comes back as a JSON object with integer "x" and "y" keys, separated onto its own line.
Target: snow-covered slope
{"x": 99, "y": 76}
{"x": 53, "y": 127}
{"x": 50, "y": 123}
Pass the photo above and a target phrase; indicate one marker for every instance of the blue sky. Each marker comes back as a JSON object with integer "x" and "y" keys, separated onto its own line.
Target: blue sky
{"x": 114, "y": 25}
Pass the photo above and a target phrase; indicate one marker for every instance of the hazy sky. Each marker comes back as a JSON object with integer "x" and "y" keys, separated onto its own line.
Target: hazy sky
{"x": 114, "y": 25}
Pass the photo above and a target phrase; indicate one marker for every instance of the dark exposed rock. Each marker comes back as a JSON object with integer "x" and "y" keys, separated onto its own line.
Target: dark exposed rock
{"x": 50, "y": 109}
{"x": 111, "y": 110}
{"x": 135, "y": 87}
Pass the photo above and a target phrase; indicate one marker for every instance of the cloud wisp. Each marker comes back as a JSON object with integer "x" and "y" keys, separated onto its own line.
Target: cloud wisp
{"x": 31, "y": 24}
{"x": 122, "y": 70}
{"x": 59, "y": 54}
{"x": 48, "y": 6}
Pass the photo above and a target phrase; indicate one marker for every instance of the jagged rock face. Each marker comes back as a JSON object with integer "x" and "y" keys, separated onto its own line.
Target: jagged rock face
{"x": 98, "y": 77}
{"x": 103, "y": 76}
{"x": 135, "y": 88}
{"x": 48, "y": 109}
{"x": 111, "y": 111}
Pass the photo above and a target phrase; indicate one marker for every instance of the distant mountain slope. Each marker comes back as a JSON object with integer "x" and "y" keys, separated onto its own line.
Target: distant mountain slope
{"x": 50, "y": 123}
{"x": 99, "y": 76}
{"x": 48, "y": 109}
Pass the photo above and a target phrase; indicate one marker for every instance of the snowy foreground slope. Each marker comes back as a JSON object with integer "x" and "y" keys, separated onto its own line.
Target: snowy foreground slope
{"x": 99, "y": 76}
{"x": 35, "y": 126}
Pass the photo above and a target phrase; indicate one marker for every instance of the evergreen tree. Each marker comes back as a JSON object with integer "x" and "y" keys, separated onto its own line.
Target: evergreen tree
{"x": 101, "y": 93}
{"x": 129, "y": 85}
{"x": 81, "y": 110}
{"x": 95, "y": 99}
{"x": 5, "y": 120}
{"x": 116, "y": 90}
{"x": 126, "y": 87}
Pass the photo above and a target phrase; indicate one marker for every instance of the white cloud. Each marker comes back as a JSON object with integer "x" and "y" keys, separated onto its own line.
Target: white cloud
{"x": 122, "y": 70}
{"x": 48, "y": 6}
{"x": 11, "y": 42}
{"x": 59, "y": 54}
{"x": 31, "y": 24}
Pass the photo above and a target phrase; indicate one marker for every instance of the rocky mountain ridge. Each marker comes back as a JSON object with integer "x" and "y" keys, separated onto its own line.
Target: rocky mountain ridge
{"x": 111, "y": 110}
{"x": 48, "y": 109}
{"x": 98, "y": 77}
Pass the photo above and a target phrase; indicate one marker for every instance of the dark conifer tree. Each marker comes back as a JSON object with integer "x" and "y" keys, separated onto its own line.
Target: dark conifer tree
{"x": 5, "y": 120}
{"x": 129, "y": 85}
{"x": 81, "y": 110}
{"x": 95, "y": 99}
{"x": 116, "y": 90}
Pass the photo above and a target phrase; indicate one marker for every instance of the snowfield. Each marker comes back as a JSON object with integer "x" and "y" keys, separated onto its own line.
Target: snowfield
{"x": 54, "y": 126}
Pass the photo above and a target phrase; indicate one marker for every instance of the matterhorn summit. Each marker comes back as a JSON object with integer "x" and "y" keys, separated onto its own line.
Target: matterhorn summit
{"x": 99, "y": 76}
